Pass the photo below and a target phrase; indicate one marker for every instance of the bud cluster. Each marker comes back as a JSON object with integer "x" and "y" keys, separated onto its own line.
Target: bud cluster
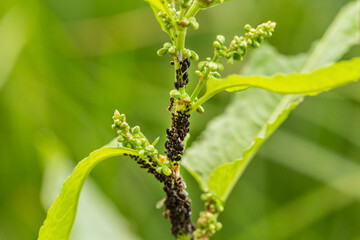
{"x": 177, "y": 204}
{"x": 207, "y": 224}
{"x": 171, "y": 49}
{"x": 252, "y": 39}
{"x": 237, "y": 49}
{"x": 134, "y": 139}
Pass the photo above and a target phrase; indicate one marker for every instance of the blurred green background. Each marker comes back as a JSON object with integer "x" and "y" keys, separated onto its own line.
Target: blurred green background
{"x": 66, "y": 65}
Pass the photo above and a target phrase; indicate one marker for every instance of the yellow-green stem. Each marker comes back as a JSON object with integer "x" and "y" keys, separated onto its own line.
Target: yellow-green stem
{"x": 193, "y": 10}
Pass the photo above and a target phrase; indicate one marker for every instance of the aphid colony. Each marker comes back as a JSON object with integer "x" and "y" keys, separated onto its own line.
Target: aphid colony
{"x": 182, "y": 76}
{"x": 177, "y": 204}
{"x": 179, "y": 119}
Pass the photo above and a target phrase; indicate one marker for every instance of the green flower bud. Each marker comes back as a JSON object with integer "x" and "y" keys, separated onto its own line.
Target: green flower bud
{"x": 199, "y": 73}
{"x": 166, "y": 170}
{"x": 117, "y": 122}
{"x": 116, "y": 114}
{"x": 212, "y": 227}
{"x": 216, "y": 44}
{"x": 193, "y": 23}
{"x": 167, "y": 45}
{"x": 137, "y": 142}
{"x": 216, "y": 75}
{"x": 218, "y": 226}
{"x": 124, "y": 125}
{"x": 194, "y": 56}
{"x": 172, "y": 50}
{"x": 221, "y": 39}
{"x": 213, "y": 66}
{"x": 248, "y": 42}
{"x": 187, "y": 53}
{"x": 247, "y": 27}
{"x": 135, "y": 130}
{"x": 175, "y": 93}
{"x": 150, "y": 148}
{"x": 237, "y": 39}
{"x": 256, "y": 44}
{"x": 161, "y": 52}
{"x": 200, "y": 109}
{"x": 202, "y": 65}
{"x": 159, "y": 169}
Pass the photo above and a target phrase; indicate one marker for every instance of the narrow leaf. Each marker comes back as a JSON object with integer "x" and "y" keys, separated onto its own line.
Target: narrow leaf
{"x": 297, "y": 83}
{"x": 61, "y": 215}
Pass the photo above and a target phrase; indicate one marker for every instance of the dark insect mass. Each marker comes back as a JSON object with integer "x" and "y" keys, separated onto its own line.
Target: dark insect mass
{"x": 177, "y": 204}
{"x": 182, "y": 77}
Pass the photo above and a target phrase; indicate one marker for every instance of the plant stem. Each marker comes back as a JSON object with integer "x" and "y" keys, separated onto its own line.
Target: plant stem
{"x": 197, "y": 90}
{"x": 181, "y": 40}
{"x": 193, "y": 10}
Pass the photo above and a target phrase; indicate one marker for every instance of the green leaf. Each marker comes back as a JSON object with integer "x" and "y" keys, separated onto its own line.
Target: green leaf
{"x": 230, "y": 141}
{"x": 157, "y": 4}
{"x": 61, "y": 215}
{"x": 297, "y": 83}
{"x": 252, "y": 115}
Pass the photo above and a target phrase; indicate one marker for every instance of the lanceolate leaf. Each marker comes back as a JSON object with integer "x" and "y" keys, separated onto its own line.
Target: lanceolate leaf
{"x": 220, "y": 157}
{"x": 61, "y": 215}
{"x": 296, "y": 83}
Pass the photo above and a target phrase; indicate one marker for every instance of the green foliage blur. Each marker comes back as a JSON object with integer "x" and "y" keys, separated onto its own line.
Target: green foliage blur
{"x": 66, "y": 65}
